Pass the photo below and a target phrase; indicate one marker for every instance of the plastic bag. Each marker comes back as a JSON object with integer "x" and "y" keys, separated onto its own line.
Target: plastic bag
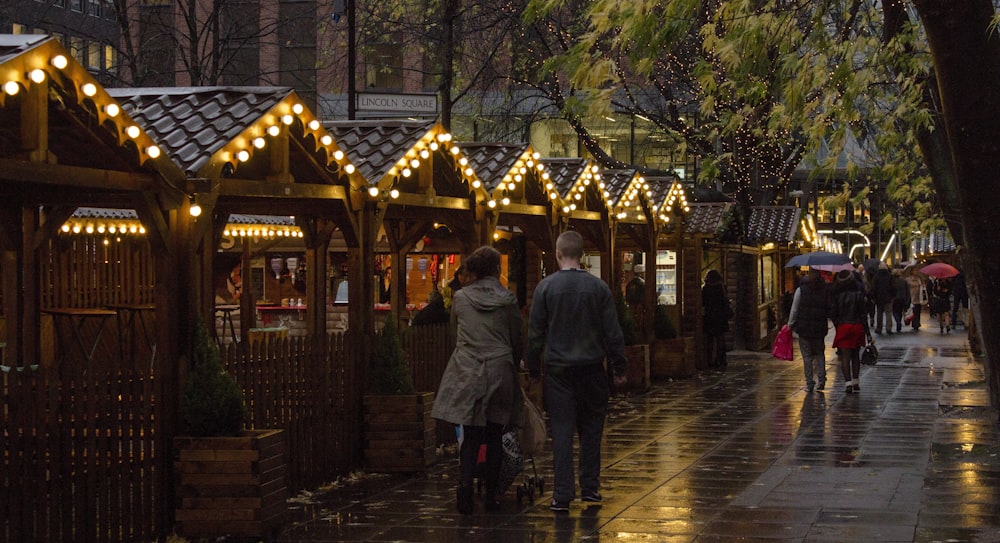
{"x": 533, "y": 433}
{"x": 782, "y": 348}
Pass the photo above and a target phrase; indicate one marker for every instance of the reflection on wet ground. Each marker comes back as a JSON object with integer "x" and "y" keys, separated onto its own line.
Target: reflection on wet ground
{"x": 745, "y": 455}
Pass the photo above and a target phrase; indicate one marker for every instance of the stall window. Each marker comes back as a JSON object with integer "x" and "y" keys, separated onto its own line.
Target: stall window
{"x": 666, "y": 277}
{"x": 767, "y": 279}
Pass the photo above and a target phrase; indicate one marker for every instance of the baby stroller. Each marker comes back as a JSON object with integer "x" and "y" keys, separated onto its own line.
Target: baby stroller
{"x": 511, "y": 466}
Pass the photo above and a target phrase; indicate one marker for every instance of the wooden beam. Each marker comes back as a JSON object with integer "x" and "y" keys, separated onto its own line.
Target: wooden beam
{"x": 247, "y": 188}
{"x": 74, "y": 176}
{"x": 35, "y": 122}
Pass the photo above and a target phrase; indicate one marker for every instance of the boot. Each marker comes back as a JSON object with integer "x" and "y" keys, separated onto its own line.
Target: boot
{"x": 465, "y": 499}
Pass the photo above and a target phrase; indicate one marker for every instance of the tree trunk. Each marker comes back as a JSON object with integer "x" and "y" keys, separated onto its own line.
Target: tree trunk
{"x": 966, "y": 54}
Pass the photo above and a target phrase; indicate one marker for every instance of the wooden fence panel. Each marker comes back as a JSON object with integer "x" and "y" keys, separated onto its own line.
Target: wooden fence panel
{"x": 83, "y": 448}
{"x": 428, "y": 349}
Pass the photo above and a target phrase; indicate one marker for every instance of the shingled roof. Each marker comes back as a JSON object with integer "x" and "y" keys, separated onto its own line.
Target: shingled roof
{"x": 773, "y": 224}
{"x": 191, "y": 124}
{"x": 376, "y": 146}
{"x": 705, "y": 218}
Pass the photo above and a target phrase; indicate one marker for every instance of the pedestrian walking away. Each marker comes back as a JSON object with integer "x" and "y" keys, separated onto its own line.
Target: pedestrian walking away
{"x": 918, "y": 297}
{"x": 716, "y": 312}
{"x": 881, "y": 295}
{"x": 900, "y": 299}
{"x": 573, "y": 326}
{"x": 849, "y": 315}
{"x": 809, "y": 318}
{"x": 479, "y": 388}
{"x": 941, "y": 303}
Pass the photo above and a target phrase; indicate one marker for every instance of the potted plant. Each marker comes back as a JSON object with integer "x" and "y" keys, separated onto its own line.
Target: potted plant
{"x": 670, "y": 356}
{"x": 229, "y": 481}
{"x": 399, "y": 431}
{"x": 636, "y": 352}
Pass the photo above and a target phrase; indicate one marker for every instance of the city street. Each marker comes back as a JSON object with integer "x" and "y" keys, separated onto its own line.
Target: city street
{"x": 745, "y": 455}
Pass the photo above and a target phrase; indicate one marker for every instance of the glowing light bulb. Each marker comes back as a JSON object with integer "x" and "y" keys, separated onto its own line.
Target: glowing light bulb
{"x": 132, "y": 131}
{"x": 37, "y": 75}
{"x": 112, "y": 110}
{"x": 89, "y": 89}
{"x": 11, "y": 88}
{"x": 153, "y": 151}
{"x": 60, "y": 61}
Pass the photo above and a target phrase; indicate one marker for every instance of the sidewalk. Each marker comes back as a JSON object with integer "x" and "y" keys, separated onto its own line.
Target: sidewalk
{"x": 745, "y": 455}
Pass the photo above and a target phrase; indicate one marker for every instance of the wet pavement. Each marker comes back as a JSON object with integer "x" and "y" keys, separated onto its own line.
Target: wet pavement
{"x": 742, "y": 455}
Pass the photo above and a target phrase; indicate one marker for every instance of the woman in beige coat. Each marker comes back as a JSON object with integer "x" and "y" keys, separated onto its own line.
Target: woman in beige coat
{"x": 479, "y": 389}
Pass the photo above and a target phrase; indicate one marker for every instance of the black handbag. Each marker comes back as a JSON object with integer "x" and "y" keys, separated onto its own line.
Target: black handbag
{"x": 869, "y": 356}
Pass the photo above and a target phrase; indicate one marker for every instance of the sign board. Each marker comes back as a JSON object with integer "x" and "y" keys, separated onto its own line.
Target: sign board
{"x": 409, "y": 104}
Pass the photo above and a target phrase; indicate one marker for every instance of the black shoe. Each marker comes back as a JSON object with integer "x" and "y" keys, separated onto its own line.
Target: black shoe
{"x": 492, "y": 504}
{"x": 465, "y": 502}
{"x": 594, "y": 497}
{"x": 559, "y": 507}
{"x": 849, "y": 389}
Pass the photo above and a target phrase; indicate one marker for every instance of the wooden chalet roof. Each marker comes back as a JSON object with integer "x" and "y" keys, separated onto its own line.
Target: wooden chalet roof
{"x": 706, "y": 218}
{"x": 257, "y": 150}
{"x": 192, "y": 124}
{"x": 64, "y": 130}
{"x": 514, "y": 178}
{"x": 772, "y": 224}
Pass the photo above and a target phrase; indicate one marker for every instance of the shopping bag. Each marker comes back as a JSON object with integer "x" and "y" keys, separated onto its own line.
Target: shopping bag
{"x": 869, "y": 356}
{"x": 512, "y": 463}
{"x": 909, "y": 316}
{"x": 532, "y": 433}
{"x": 782, "y": 348}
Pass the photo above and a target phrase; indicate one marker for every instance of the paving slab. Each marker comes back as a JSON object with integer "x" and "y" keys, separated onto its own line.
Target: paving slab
{"x": 742, "y": 455}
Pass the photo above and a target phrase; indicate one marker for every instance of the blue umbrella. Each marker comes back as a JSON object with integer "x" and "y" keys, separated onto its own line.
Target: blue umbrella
{"x": 817, "y": 258}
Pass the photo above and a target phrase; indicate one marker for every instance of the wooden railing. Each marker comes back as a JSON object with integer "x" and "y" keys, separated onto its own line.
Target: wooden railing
{"x": 85, "y": 449}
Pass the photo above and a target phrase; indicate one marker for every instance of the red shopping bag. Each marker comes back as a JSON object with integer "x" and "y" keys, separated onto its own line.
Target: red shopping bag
{"x": 782, "y": 348}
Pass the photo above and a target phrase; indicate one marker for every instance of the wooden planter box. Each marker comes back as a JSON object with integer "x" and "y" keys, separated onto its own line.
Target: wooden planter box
{"x": 399, "y": 432}
{"x": 638, "y": 368}
{"x": 672, "y": 358}
{"x": 231, "y": 485}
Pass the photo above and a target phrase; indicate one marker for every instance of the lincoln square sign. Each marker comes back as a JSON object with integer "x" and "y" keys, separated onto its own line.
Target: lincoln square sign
{"x": 402, "y": 104}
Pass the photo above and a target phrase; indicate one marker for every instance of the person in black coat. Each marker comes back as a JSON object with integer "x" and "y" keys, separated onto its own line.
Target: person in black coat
{"x": 882, "y": 295}
{"x": 809, "y": 318}
{"x": 716, "y": 312}
{"x": 432, "y": 313}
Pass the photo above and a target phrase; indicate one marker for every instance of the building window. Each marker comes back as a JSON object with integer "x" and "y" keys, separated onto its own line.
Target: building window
{"x": 94, "y": 55}
{"x": 77, "y": 49}
{"x": 17, "y": 28}
{"x": 384, "y": 71}
{"x": 76, "y": 5}
{"x": 110, "y": 57}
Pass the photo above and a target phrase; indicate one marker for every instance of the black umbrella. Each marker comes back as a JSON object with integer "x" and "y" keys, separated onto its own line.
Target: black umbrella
{"x": 817, "y": 258}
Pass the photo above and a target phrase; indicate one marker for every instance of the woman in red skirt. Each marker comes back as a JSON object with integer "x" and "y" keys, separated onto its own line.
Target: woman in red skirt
{"x": 849, "y": 315}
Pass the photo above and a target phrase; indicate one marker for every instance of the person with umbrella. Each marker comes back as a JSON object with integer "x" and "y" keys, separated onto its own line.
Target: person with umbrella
{"x": 941, "y": 303}
{"x": 809, "y": 319}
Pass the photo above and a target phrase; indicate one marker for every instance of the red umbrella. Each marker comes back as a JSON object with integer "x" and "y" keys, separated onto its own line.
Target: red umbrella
{"x": 940, "y": 270}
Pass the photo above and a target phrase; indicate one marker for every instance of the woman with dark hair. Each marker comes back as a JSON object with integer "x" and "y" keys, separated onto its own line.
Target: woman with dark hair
{"x": 479, "y": 389}
{"x": 849, "y": 313}
{"x": 716, "y": 312}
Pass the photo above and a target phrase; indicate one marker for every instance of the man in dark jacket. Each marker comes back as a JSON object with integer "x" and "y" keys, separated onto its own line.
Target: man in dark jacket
{"x": 900, "y": 300}
{"x": 573, "y": 327}
{"x": 882, "y": 295}
{"x": 809, "y": 319}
